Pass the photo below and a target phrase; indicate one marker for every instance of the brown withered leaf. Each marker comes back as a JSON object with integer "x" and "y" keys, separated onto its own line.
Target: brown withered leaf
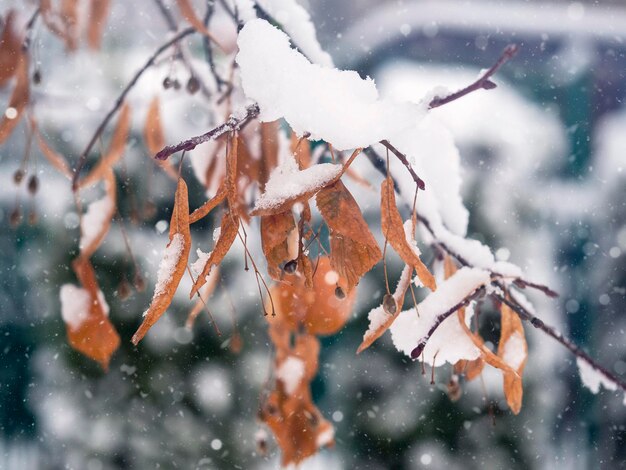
{"x": 154, "y": 137}
{"x": 172, "y": 270}
{"x": 55, "y": 159}
{"x": 98, "y": 13}
{"x": 230, "y": 181}
{"x": 301, "y": 151}
{"x": 275, "y": 230}
{"x": 398, "y": 296}
{"x": 10, "y": 48}
{"x": 208, "y": 206}
{"x": 228, "y": 232}
{"x": 18, "y": 101}
{"x": 512, "y": 343}
{"x": 90, "y": 243}
{"x": 353, "y": 248}
{"x": 114, "y": 152}
{"x": 95, "y": 337}
{"x": 189, "y": 14}
{"x": 394, "y": 231}
{"x": 205, "y": 293}
{"x": 58, "y": 24}
{"x": 269, "y": 151}
{"x": 471, "y": 369}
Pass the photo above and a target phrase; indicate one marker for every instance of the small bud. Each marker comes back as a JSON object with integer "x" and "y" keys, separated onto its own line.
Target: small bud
{"x": 236, "y": 343}
{"x": 123, "y": 289}
{"x": 32, "y": 218}
{"x": 290, "y": 266}
{"x": 33, "y": 184}
{"x": 176, "y": 84}
{"x": 389, "y": 304}
{"x": 167, "y": 83}
{"x": 193, "y": 85}
{"x": 339, "y": 293}
{"x": 18, "y": 176}
{"x": 15, "y": 218}
{"x": 139, "y": 283}
{"x": 37, "y": 77}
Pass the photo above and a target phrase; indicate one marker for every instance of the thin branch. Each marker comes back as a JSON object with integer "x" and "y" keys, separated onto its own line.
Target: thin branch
{"x": 421, "y": 344}
{"x": 120, "y": 99}
{"x": 483, "y": 82}
{"x": 232, "y": 124}
{"x": 405, "y": 162}
{"x": 29, "y": 30}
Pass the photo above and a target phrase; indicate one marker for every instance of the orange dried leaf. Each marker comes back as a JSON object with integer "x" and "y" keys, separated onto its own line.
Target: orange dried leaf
{"x": 10, "y": 48}
{"x": 99, "y": 11}
{"x": 17, "y": 102}
{"x": 85, "y": 313}
{"x": 401, "y": 241}
{"x": 301, "y": 150}
{"x": 230, "y": 181}
{"x": 95, "y": 223}
{"x": 204, "y": 295}
{"x": 228, "y": 233}
{"x": 353, "y": 248}
{"x": 174, "y": 263}
{"x": 377, "y": 330}
{"x": 69, "y": 17}
{"x": 269, "y": 151}
{"x": 513, "y": 350}
{"x": 57, "y": 160}
{"x": 154, "y": 138}
{"x": 190, "y": 15}
{"x": 275, "y": 231}
{"x": 114, "y": 152}
{"x": 208, "y": 206}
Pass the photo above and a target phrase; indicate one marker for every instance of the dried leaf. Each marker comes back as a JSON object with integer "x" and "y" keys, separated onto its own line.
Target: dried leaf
{"x": 69, "y": 16}
{"x": 18, "y": 101}
{"x": 269, "y": 151}
{"x": 95, "y": 336}
{"x": 99, "y": 11}
{"x": 353, "y": 248}
{"x": 172, "y": 270}
{"x": 10, "y": 48}
{"x": 401, "y": 241}
{"x": 57, "y": 160}
{"x": 275, "y": 230}
{"x": 301, "y": 151}
{"x": 91, "y": 237}
{"x": 205, "y": 293}
{"x": 513, "y": 350}
{"x": 230, "y": 181}
{"x": 228, "y": 233}
{"x": 154, "y": 138}
{"x": 208, "y": 206}
{"x": 377, "y": 328}
{"x": 190, "y": 15}
{"x": 114, "y": 152}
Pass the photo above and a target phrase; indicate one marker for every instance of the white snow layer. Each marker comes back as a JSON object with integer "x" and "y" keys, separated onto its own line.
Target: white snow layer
{"x": 92, "y": 222}
{"x": 591, "y": 378}
{"x": 288, "y": 182}
{"x": 336, "y": 106}
{"x": 449, "y": 342}
{"x": 75, "y": 304}
{"x": 290, "y": 373}
{"x": 168, "y": 264}
{"x": 198, "y": 265}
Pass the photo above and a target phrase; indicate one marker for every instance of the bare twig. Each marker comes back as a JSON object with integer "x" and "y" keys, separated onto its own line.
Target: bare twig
{"x": 120, "y": 99}
{"x": 232, "y": 124}
{"x": 405, "y": 162}
{"x": 483, "y": 82}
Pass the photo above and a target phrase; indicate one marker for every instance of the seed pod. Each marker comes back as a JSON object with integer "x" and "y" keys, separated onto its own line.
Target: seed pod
{"x": 176, "y": 84}
{"x": 454, "y": 388}
{"x": 389, "y": 304}
{"x": 32, "y": 218}
{"x": 193, "y": 85}
{"x": 123, "y": 289}
{"x": 236, "y": 343}
{"x": 149, "y": 210}
{"x": 37, "y": 77}
{"x": 290, "y": 266}
{"x": 33, "y": 184}
{"x": 18, "y": 176}
{"x": 167, "y": 83}
{"x": 339, "y": 293}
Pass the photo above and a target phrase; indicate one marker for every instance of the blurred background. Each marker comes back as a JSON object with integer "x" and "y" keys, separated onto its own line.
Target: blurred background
{"x": 544, "y": 161}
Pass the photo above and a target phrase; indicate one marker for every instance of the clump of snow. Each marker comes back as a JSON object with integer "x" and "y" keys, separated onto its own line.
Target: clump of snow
{"x": 410, "y": 238}
{"x": 287, "y": 182}
{"x": 168, "y": 264}
{"x": 592, "y": 379}
{"x": 290, "y": 373}
{"x": 514, "y": 350}
{"x": 449, "y": 343}
{"x": 198, "y": 266}
{"x": 75, "y": 305}
{"x": 336, "y": 106}
{"x": 93, "y": 221}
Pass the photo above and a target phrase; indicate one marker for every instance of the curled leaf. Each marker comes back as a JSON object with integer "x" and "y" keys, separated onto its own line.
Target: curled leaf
{"x": 208, "y": 206}
{"x": 400, "y": 238}
{"x": 228, "y": 232}
{"x": 57, "y": 160}
{"x": 114, "y": 152}
{"x": 172, "y": 265}
{"x": 353, "y": 248}
{"x": 95, "y": 223}
{"x": 154, "y": 137}
{"x": 275, "y": 231}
